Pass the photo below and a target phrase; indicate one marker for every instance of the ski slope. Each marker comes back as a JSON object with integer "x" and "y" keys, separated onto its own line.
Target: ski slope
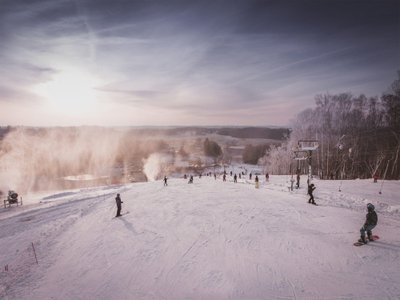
{"x": 206, "y": 240}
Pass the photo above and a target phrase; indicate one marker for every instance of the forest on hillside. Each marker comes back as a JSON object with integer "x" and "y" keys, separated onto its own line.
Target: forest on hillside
{"x": 358, "y": 137}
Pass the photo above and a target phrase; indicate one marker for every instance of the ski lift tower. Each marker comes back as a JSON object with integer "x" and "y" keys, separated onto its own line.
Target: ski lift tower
{"x": 304, "y": 152}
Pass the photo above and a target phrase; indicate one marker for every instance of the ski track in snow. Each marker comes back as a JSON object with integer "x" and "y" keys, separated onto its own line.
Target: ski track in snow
{"x": 206, "y": 240}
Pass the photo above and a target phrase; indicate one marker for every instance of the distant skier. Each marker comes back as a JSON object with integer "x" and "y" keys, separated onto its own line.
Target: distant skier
{"x": 257, "y": 182}
{"x": 267, "y": 177}
{"x": 375, "y": 178}
{"x": 291, "y": 183}
{"x": 191, "y": 179}
{"x": 371, "y": 219}
{"x": 298, "y": 180}
{"x": 311, "y": 188}
{"x": 250, "y": 176}
{"x": 224, "y": 177}
{"x": 235, "y": 178}
{"x": 165, "y": 181}
{"x": 118, "y": 201}
{"x": 215, "y": 176}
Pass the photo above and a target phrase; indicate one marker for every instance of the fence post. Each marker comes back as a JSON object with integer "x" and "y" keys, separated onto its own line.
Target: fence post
{"x": 34, "y": 252}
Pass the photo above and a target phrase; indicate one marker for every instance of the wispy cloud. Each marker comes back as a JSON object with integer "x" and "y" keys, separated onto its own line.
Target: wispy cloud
{"x": 202, "y": 58}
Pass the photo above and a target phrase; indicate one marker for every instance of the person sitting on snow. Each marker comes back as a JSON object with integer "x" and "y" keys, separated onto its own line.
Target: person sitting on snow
{"x": 371, "y": 219}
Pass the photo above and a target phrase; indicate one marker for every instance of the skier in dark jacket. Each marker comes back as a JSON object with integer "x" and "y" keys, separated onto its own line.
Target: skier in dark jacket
{"x": 165, "y": 181}
{"x": 371, "y": 219}
{"x": 118, "y": 201}
{"x": 311, "y": 188}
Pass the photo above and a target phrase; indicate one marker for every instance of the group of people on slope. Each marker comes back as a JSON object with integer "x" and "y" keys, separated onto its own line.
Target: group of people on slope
{"x": 371, "y": 219}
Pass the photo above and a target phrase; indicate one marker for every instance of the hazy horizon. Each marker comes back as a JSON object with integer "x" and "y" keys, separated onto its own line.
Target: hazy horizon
{"x": 189, "y": 63}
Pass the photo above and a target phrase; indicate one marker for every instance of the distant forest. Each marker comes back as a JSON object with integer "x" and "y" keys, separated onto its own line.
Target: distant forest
{"x": 359, "y": 137}
{"x": 278, "y": 133}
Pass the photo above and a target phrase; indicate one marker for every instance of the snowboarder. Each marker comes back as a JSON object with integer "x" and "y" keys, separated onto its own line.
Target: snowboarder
{"x": 371, "y": 219}
{"x": 165, "y": 181}
{"x": 235, "y": 178}
{"x": 118, "y": 201}
{"x": 311, "y": 188}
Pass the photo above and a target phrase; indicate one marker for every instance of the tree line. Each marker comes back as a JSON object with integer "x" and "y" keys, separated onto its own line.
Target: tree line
{"x": 358, "y": 137}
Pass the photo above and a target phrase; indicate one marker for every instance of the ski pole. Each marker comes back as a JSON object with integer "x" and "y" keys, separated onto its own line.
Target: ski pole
{"x": 34, "y": 252}
{"x": 384, "y": 176}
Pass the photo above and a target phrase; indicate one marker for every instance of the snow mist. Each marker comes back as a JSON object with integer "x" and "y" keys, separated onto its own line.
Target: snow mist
{"x": 152, "y": 166}
{"x": 39, "y": 159}
{"x": 158, "y": 165}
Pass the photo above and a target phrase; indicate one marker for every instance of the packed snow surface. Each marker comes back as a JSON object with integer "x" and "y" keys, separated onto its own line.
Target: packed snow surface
{"x": 206, "y": 240}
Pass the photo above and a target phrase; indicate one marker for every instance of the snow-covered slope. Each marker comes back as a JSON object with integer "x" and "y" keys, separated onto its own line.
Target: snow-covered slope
{"x": 207, "y": 240}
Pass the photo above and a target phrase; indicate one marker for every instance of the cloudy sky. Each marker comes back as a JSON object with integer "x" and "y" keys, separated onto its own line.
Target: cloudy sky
{"x": 233, "y": 62}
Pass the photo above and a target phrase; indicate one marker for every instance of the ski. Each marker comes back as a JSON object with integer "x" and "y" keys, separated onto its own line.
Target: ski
{"x": 123, "y": 214}
{"x": 374, "y": 238}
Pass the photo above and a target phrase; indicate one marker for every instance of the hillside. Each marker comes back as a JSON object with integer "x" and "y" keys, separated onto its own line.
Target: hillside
{"x": 207, "y": 240}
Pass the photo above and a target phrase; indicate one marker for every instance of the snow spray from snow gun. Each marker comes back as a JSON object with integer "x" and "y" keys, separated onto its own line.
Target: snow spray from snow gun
{"x": 155, "y": 164}
{"x": 152, "y": 166}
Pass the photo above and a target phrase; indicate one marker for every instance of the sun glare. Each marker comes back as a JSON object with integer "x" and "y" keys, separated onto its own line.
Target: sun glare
{"x": 69, "y": 92}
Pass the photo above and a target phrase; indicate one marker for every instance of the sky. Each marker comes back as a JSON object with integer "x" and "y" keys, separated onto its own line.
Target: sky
{"x": 166, "y": 63}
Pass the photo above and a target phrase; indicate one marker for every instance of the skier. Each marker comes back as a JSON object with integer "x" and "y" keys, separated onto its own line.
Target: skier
{"x": 291, "y": 183}
{"x": 235, "y": 178}
{"x": 191, "y": 179}
{"x": 224, "y": 177}
{"x": 118, "y": 201}
{"x": 250, "y": 176}
{"x": 371, "y": 219}
{"x": 311, "y": 188}
{"x": 257, "y": 183}
{"x": 375, "y": 178}
{"x": 165, "y": 181}
{"x": 298, "y": 180}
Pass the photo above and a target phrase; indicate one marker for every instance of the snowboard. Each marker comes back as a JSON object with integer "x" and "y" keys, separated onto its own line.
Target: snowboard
{"x": 374, "y": 238}
{"x": 123, "y": 214}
